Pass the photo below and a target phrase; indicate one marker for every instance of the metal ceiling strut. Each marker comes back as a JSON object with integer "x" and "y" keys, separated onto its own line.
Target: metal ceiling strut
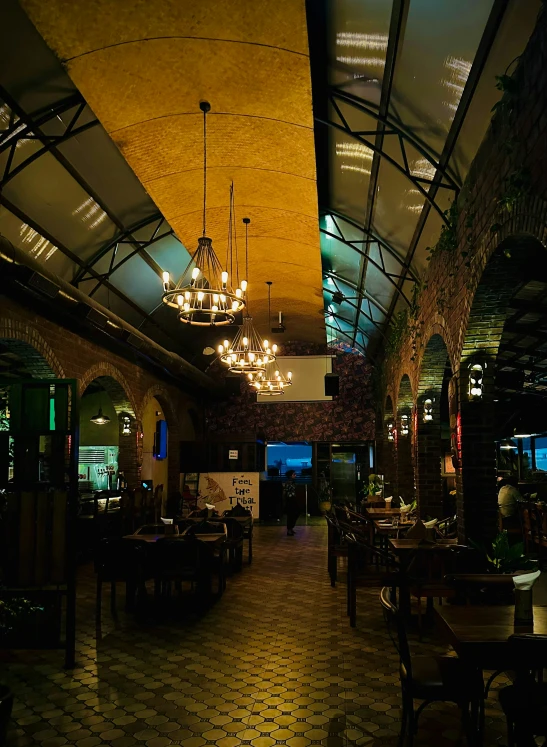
{"x": 406, "y": 272}
{"x": 492, "y": 26}
{"x": 22, "y": 127}
{"x": 50, "y": 143}
{"x": 155, "y": 221}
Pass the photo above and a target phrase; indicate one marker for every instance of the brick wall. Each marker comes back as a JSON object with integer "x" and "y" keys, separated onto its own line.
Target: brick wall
{"x": 50, "y": 347}
{"x": 463, "y": 308}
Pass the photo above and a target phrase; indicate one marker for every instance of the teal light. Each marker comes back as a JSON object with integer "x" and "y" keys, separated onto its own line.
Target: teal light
{"x": 52, "y": 408}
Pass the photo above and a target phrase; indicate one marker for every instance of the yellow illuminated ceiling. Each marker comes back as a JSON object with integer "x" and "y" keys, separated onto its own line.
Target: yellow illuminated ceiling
{"x": 144, "y": 67}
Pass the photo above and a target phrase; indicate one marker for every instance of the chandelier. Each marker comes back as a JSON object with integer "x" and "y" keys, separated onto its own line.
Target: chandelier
{"x": 248, "y": 353}
{"x": 203, "y": 296}
{"x": 271, "y": 382}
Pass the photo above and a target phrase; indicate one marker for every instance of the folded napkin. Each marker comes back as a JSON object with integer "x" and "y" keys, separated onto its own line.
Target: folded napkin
{"x": 166, "y": 521}
{"x": 430, "y": 524}
{"x": 525, "y": 581}
{"x": 417, "y": 531}
{"x": 210, "y": 506}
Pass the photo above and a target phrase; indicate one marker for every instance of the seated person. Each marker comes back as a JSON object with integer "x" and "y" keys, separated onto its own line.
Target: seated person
{"x": 508, "y": 496}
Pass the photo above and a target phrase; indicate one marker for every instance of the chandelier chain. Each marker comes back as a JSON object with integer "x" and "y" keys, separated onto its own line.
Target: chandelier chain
{"x": 204, "y": 169}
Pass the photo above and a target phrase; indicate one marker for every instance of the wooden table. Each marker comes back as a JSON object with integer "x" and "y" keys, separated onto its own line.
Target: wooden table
{"x": 405, "y": 550}
{"x": 480, "y": 636}
{"x": 379, "y": 513}
{"x": 148, "y": 537}
{"x": 480, "y": 633}
{"x": 401, "y": 545}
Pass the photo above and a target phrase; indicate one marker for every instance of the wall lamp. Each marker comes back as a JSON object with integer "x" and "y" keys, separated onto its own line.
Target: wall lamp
{"x": 126, "y": 425}
{"x": 428, "y": 410}
{"x": 405, "y": 425}
{"x": 476, "y": 381}
{"x": 391, "y": 431}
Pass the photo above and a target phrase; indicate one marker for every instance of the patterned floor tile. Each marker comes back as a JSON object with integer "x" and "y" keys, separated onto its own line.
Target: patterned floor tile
{"x": 272, "y": 662}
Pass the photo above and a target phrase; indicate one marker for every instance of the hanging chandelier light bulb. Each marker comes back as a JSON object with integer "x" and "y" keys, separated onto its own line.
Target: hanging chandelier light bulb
{"x": 204, "y": 296}
{"x": 247, "y": 353}
{"x": 271, "y": 382}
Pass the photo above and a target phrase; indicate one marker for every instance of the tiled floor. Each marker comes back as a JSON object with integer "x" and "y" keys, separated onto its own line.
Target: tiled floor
{"x": 273, "y": 662}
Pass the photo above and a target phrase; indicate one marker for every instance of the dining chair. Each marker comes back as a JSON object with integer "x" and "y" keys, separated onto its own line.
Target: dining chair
{"x": 234, "y": 542}
{"x": 368, "y": 567}
{"x": 336, "y": 548}
{"x": 120, "y": 560}
{"x": 158, "y": 503}
{"x": 429, "y": 679}
{"x": 524, "y": 702}
{"x": 177, "y": 560}
{"x": 447, "y": 528}
{"x": 427, "y": 571}
{"x": 240, "y": 511}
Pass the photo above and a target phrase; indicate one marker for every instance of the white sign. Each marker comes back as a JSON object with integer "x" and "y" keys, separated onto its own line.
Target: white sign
{"x": 233, "y": 454}
{"x": 225, "y": 489}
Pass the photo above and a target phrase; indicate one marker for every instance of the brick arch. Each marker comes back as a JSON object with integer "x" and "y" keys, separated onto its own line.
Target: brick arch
{"x": 518, "y": 259}
{"x": 388, "y": 449}
{"x": 130, "y": 445}
{"x": 405, "y": 397}
{"x": 437, "y": 327}
{"x": 515, "y": 260}
{"x": 114, "y": 383}
{"x": 405, "y": 466}
{"x": 432, "y": 365}
{"x": 28, "y": 343}
{"x": 428, "y": 451}
{"x": 164, "y": 398}
{"x": 388, "y": 407}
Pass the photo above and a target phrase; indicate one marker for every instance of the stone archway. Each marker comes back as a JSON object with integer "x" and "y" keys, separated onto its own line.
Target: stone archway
{"x": 432, "y": 374}
{"x": 28, "y": 345}
{"x": 405, "y": 426}
{"x": 389, "y": 448}
{"x": 163, "y": 397}
{"x": 516, "y": 264}
{"x": 110, "y": 379}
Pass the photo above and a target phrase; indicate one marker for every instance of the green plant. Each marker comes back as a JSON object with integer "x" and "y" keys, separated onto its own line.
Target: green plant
{"x": 510, "y": 88}
{"x": 448, "y": 240}
{"x": 502, "y": 557}
{"x": 397, "y": 331}
{"x": 15, "y": 612}
{"x": 373, "y": 486}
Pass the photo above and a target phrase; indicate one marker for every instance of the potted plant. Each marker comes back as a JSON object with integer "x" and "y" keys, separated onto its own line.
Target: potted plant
{"x": 501, "y": 557}
{"x": 14, "y": 613}
{"x": 373, "y": 489}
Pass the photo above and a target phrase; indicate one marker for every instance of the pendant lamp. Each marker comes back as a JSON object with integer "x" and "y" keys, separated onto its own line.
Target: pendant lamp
{"x": 247, "y": 353}
{"x": 99, "y": 418}
{"x": 272, "y": 382}
{"x": 204, "y": 295}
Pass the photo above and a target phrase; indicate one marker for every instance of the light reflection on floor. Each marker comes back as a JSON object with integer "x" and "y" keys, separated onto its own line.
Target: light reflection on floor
{"x": 273, "y": 662}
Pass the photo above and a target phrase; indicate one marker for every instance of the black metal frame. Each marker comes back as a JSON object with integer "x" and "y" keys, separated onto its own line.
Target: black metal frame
{"x": 28, "y": 127}
{"x": 331, "y": 115}
{"x": 24, "y": 126}
{"x": 492, "y": 26}
{"x": 155, "y": 221}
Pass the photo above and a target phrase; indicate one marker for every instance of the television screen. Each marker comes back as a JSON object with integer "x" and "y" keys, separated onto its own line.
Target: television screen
{"x": 160, "y": 440}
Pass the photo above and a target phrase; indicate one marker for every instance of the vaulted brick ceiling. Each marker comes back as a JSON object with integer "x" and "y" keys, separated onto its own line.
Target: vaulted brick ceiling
{"x": 144, "y": 67}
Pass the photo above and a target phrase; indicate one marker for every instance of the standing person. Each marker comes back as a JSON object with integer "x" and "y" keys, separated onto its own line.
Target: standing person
{"x": 291, "y": 506}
